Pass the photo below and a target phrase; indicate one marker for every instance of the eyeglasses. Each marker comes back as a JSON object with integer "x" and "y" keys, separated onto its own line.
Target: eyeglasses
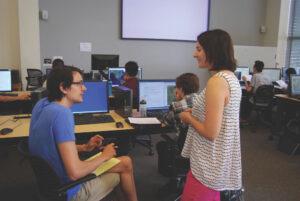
{"x": 80, "y": 83}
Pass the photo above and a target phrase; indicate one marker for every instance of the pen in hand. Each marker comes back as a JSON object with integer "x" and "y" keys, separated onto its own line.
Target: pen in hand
{"x": 102, "y": 147}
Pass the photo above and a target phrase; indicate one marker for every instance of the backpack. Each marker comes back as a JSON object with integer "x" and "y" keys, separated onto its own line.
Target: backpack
{"x": 166, "y": 153}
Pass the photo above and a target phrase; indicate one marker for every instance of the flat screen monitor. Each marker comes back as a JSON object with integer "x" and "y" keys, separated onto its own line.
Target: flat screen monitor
{"x": 116, "y": 75}
{"x": 159, "y": 94}
{"x": 272, "y": 73}
{"x": 5, "y": 80}
{"x": 103, "y": 61}
{"x": 295, "y": 86}
{"x": 48, "y": 70}
{"x": 164, "y": 20}
{"x": 241, "y": 71}
{"x": 283, "y": 72}
{"x": 95, "y": 99}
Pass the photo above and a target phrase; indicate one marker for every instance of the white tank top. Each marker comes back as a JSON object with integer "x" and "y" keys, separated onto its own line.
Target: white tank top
{"x": 217, "y": 164}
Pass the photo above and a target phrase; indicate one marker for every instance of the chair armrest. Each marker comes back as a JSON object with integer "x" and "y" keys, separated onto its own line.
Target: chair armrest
{"x": 71, "y": 184}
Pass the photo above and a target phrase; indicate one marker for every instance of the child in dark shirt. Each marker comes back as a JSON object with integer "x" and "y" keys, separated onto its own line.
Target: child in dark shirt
{"x": 131, "y": 81}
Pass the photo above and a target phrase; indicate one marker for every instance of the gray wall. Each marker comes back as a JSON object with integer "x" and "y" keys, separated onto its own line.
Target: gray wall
{"x": 99, "y": 22}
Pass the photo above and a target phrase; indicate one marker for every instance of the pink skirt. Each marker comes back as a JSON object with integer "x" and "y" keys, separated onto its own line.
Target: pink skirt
{"x": 194, "y": 190}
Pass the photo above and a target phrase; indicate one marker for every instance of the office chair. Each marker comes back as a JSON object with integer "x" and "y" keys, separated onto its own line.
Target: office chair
{"x": 262, "y": 104}
{"x": 177, "y": 169}
{"x": 34, "y": 79}
{"x": 49, "y": 186}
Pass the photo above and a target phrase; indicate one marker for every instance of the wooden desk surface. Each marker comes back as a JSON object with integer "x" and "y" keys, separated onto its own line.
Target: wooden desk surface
{"x": 21, "y": 126}
{"x": 20, "y": 93}
{"x": 286, "y": 97}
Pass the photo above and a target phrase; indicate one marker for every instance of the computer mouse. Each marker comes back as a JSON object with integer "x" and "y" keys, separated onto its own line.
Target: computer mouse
{"x": 5, "y": 131}
{"x": 119, "y": 125}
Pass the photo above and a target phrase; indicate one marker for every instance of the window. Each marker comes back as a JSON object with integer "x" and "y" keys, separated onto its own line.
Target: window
{"x": 293, "y": 49}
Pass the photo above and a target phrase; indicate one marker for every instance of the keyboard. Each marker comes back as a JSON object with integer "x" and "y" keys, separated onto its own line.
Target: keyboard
{"x": 8, "y": 94}
{"x": 156, "y": 113}
{"x": 81, "y": 119}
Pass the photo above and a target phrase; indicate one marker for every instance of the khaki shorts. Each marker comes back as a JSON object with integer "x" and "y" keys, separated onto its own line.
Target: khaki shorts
{"x": 97, "y": 188}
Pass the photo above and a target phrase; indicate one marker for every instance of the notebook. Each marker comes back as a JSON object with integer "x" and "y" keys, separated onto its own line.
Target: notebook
{"x": 105, "y": 165}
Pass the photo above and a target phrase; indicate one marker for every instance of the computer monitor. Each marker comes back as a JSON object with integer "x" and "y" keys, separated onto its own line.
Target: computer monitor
{"x": 158, "y": 94}
{"x": 272, "y": 73}
{"x": 48, "y": 70}
{"x": 5, "y": 80}
{"x": 244, "y": 71}
{"x": 295, "y": 86}
{"x": 95, "y": 99}
{"x": 283, "y": 72}
{"x": 103, "y": 61}
{"x": 116, "y": 75}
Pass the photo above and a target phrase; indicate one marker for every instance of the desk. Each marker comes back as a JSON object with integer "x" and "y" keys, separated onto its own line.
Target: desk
{"x": 22, "y": 126}
{"x": 287, "y": 106}
{"x": 21, "y": 130}
{"x": 17, "y": 106}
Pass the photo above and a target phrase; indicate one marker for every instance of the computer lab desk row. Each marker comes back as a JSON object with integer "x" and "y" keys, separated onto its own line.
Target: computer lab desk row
{"x": 83, "y": 132}
{"x": 287, "y": 107}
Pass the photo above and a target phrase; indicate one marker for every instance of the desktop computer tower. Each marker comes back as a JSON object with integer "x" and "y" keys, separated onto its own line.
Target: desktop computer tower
{"x": 38, "y": 94}
{"x": 122, "y": 101}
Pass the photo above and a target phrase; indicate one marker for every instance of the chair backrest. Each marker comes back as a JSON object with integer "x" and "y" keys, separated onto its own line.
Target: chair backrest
{"x": 264, "y": 94}
{"x": 34, "y": 78}
{"x": 48, "y": 182}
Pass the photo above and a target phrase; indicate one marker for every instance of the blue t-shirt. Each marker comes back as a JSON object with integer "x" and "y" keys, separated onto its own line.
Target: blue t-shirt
{"x": 52, "y": 123}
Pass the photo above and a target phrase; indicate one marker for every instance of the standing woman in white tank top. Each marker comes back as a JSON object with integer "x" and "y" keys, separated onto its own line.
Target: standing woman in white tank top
{"x": 213, "y": 139}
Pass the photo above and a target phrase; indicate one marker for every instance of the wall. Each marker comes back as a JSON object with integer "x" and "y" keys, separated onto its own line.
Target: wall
{"x": 29, "y": 36}
{"x": 283, "y": 33}
{"x": 272, "y": 22}
{"x": 9, "y": 35}
{"x": 240, "y": 18}
{"x": 73, "y": 21}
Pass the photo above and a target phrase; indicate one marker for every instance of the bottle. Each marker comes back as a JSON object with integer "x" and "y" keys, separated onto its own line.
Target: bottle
{"x": 143, "y": 108}
{"x": 109, "y": 88}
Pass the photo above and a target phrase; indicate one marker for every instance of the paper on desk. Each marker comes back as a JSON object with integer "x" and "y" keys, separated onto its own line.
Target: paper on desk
{"x": 105, "y": 165}
{"x": 148, "y": 120}
{"x": 248, "y": 77}
{"x": 282, "y": 84}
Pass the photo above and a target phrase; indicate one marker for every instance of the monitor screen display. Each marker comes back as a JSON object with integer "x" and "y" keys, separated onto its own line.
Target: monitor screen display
{"x": 116, "y": 75}
{"x": 283, "y": 72}
{"x": 159, "y": 94}
{"x": 103, "y": 61}
{"x": 164, "y": 20}
{"x": 295, "y": 86}
{"x": 5, "y": 80}
{"x": 48, "y": 70}
{"x": 95, "y": 98}
{"x": 272, "y": 73}
{"x": 243, "y": 71}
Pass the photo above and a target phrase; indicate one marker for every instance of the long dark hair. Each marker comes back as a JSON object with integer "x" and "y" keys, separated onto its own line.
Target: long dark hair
{"x": 218, "y": 48}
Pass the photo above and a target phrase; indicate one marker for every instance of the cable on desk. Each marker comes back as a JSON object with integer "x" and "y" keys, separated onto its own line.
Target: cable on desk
{"x": 17, "y": 125}
{"x": 13, "y": 120}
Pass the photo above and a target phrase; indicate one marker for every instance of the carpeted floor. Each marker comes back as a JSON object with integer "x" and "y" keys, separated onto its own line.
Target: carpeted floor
{"x": 268, "y": 175}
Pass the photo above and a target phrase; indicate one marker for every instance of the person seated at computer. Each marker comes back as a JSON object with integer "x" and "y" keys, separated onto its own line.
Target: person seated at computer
{"x": 55, "y": 64}
{"x": 14, "y": 98}
{"x": 258, "y": 79}
{"x": 289, "y": 72}
{"x": 52, "y": 138}
{"x": 187, "y": 85}
{"x": 131, "y": 80}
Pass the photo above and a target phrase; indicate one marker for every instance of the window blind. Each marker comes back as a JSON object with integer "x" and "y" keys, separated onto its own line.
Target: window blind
{"x": 293, "y": 49}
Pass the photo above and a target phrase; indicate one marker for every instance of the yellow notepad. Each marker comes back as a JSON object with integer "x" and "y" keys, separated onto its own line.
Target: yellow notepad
{"x": 105, "y": 165}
